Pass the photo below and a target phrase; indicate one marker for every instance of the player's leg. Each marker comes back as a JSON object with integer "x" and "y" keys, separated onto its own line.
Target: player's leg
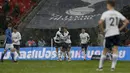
{"x": 86, "y": 47}
{"x": 103, "y": 56}
{"x": 115, "y": 52}
{"x": 2, "y": 56}
{"x": 115, "y": 57}
{"x": 68, "y": 52}
{"x": 60, "y": 55}
{"x": 13, "y": 53}
{"x": 56, "y": 46}
{"x": 64, "y": 53}
{"x": 57, "y": 52}
{"x": 83, "y": 46}
{"x": 109, "y": 55}
{"x": 17, "y": 47}
{"x": 64, "y": 49}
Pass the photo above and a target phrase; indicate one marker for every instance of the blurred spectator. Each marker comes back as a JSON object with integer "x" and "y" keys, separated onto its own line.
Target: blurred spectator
{"x": 31, "y": 43}
{"x": 2, "y": 39}
{"x": 41, "y": 43}
{"x": 127, "y": 43}
{"x": 6, "y": 6}
{"x": 16, "y": 11}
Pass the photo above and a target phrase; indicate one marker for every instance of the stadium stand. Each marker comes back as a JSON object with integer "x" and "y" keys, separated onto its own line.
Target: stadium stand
{"x": 16, "y": 9}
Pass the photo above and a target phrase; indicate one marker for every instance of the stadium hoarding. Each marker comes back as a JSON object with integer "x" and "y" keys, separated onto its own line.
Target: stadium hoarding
{"x": 49, "y": 53}
{"x": 71, "y": 13}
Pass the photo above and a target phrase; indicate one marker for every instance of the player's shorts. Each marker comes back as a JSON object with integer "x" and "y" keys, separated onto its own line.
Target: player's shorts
{"x": 9, "y": 46}
{"x": 84, "y": 46}
{"x": 57, "y": 45}
{"x": 17, "y": 47}
{"x": 66, "y": 45}
{"x": 112, "y": 41}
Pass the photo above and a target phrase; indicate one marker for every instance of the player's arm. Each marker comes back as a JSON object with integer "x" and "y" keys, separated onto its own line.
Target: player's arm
{"x": 7, "y": 34}
{"x": 101, "y": 23}
{"x": 124, "y": 20}
{"x": 80, "y": 38}
{"x": 19, "y": 38}
{"x": 88, "y": 37}
{"x": 125, "y": 23}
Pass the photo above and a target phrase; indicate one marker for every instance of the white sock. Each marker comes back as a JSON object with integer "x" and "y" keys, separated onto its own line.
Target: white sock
{"x": 60, "y": 54}
{"x": 15, "y": 56}
{"x": 69, "y": 55}
{"x": 103, "y": 57}
{"x": 57, "y": 54}
{"x": 114, "y": 60}
{"x": 83, "y": 53}
{"x": 109, "y": 54}
{"x": 65, "y": 54}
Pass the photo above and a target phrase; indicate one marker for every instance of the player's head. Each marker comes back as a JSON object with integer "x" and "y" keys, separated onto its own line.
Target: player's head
{"x": 15, "y": 29}
{"x": 110, "y": 4}
{"x": 65, "y": 29}
{"x": 9, "y": 26}
{"x": 62, "y": 29}
{"x": 83, "y": 30}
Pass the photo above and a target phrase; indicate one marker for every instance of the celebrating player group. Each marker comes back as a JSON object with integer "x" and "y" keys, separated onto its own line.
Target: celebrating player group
{"x": 63, "y": 42}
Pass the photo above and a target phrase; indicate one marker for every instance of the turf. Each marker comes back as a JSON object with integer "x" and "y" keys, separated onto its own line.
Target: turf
{"x": 60, "y": 67}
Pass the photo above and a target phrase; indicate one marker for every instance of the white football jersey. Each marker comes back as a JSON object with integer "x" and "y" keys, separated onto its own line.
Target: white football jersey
{"x": 16, "y": 38}
{"x": 112, "y": 19}
{"x": 58, "y": 37}
{"x": 67, "y": 37}
{"x": 84, "y": 37}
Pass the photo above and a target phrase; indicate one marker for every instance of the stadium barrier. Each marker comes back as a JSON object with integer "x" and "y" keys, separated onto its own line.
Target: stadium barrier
{"x": 49, "y": 53}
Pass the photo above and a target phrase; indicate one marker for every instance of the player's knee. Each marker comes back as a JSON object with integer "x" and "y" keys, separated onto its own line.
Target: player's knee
{"x": 83, "y": 49}
{"x": 114, "y": 50}
{"x": 104, "y": 52}
{"x": 13, "y": 50}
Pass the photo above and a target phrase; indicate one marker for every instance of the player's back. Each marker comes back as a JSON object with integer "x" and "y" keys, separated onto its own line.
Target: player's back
{"x": 8, "y": 36}
{"x": 112, "y": 19}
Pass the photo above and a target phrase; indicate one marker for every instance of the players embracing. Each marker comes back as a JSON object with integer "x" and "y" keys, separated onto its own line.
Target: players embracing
{"x": 63, "y": 43}
{"x": 66, "y": 44}
{"x": 58, "y": 40}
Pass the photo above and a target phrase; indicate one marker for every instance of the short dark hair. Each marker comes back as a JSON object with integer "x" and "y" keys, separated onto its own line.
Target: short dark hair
{"x": 111, "y": 2}
{"x": 15, "y": 28}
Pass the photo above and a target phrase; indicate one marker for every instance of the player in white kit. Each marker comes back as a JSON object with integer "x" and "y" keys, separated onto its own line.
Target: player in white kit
{"x": 67, "y": 44}
{"x": 16, "y": 37}
{"x": 84, "y": 38}
{"x": 111, "y": 18}
{"x": 58, "y": 43}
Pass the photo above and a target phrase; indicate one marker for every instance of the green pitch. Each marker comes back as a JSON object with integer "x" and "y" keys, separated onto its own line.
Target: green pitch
{"x": 60, "y": 67}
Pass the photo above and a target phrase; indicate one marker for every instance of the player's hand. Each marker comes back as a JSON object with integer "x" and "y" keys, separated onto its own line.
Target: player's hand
{"x": 13, "y": 41}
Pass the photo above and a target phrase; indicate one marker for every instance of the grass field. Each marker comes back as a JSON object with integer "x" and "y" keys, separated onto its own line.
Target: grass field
{"x": 60, "y": 67}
